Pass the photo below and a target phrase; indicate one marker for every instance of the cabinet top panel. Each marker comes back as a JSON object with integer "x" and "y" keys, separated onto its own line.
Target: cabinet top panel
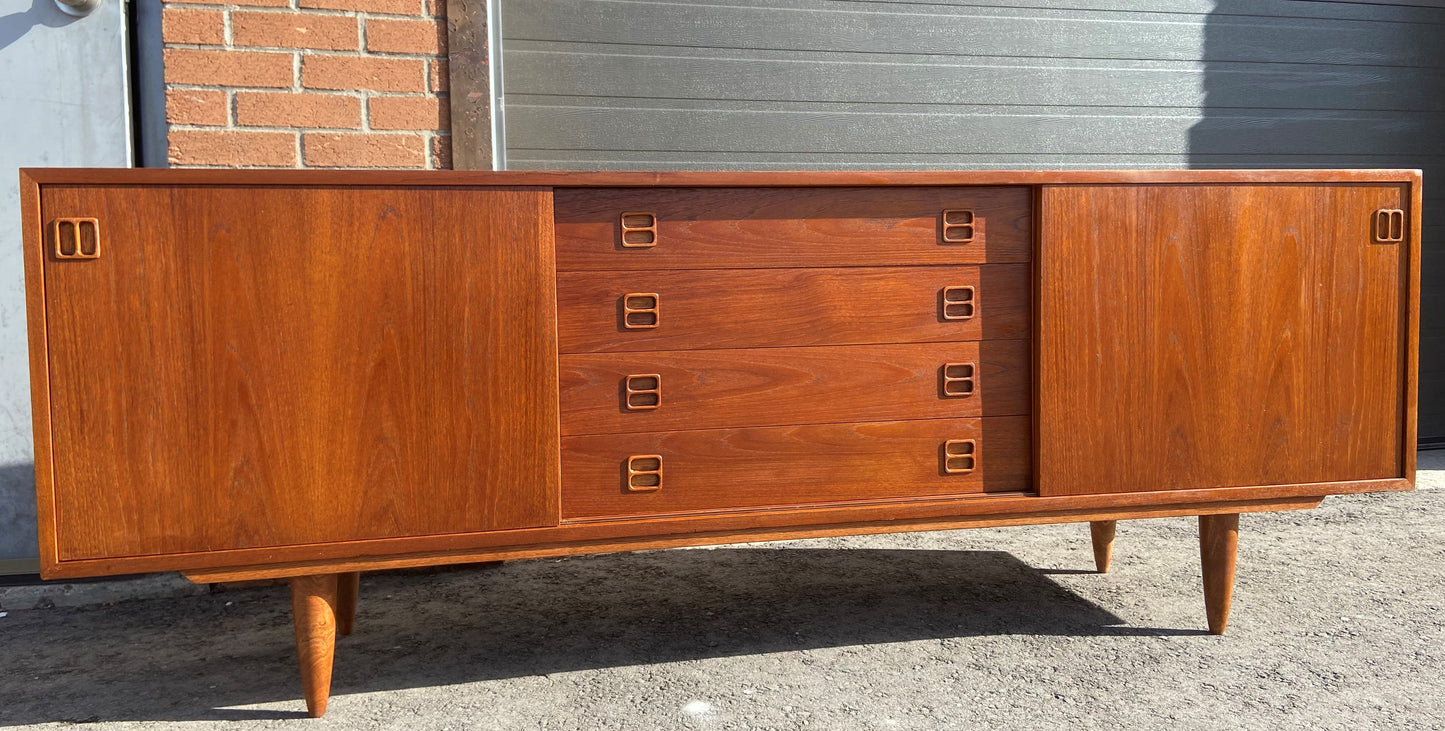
{"x": 441, "y": 178}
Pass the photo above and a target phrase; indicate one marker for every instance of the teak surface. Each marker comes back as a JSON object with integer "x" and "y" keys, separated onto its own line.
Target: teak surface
{"x": 246, "y": 367}
{"x": 1211, "y": 336}
{"x": 706, "y": 228}
{"x": 731, "y": 526}
{"x": 709, "y": 389}
{"x": 249, "y": 534}
{"x": 709, "y": 469}
{"x": 754, "y": 308}
{"x": 313, "y": 616}
{"x": 1218, "y": 552}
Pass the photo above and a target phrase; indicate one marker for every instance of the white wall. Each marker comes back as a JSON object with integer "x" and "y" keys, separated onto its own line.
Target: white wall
{"x": 63, "y": 102}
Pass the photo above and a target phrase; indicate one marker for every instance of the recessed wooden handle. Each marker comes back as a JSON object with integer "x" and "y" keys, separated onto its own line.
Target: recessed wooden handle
{"x": 958, "y": 226}
{"x": 960, "y": 456}
{"x": 75, "y": 238}
{"x": 642, "y": 392}
{"x": 959, "y": 302}
{"x": 640, "y": 311}
{"x": 959, "y": 379}
{"x": 1389, "y": 226}
{"x": 639, "y": 230}
{"x": 644, "y": 473}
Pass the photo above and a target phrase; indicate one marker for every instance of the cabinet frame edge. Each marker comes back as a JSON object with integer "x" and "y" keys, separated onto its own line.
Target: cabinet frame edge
{"x": 780, "y": 524}
{"x": 32, "y": 238}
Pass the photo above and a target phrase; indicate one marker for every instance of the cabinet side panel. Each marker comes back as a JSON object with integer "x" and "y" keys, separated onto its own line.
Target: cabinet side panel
{"x": 32, "y": 240}
{"x": 1411, "y": 338}
{"x": 252, "y": 367}
{"x": 1217, "y": 336}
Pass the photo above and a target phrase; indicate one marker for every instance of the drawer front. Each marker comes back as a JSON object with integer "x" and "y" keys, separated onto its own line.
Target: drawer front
{"x": 608, "y": 393}
{"x": 703, "y": 228}
{"x": 609, "y": 476}
{"x": 686, "y": 310}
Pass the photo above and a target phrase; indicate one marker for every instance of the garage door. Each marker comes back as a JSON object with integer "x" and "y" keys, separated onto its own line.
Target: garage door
{"x": 803, "y": 84}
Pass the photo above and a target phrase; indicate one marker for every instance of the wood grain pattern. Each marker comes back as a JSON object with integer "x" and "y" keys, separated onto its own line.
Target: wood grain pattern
{"x": 308, "y": 382}
{"x": 635, "y": 532}
{"x": 313, "y": 610}
{"x": 755, "y": 534}
{"x": 769, "y": 307}
{"x": 1101, "y": 535}
{"x": 708, "y": 228}
{"x": 735, "y": 469}
{"x": 709, "y": 389}
{"x": 1213, "y": 336}
{"x": 1218, "y": 546}
{"x": 262, "y": 367}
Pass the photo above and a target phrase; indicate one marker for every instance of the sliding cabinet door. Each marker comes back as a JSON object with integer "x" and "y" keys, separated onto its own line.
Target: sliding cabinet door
{"x": 1198, "y": 336}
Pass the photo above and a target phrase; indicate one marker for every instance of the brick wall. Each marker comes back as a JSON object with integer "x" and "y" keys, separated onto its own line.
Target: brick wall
{"x": 307, "y": 83}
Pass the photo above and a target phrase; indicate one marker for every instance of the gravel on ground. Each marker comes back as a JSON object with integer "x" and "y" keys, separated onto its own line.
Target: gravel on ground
{"x": 1338, "y": 623}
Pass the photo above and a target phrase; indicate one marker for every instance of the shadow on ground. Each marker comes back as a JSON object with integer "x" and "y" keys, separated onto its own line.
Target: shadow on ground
{"x": 190, "y": 659}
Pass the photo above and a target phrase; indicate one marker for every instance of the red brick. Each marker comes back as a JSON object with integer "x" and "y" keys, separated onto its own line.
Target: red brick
{"x": 364, "y": 150}
{"x": 280, "y": 109}
{"x": 294, "y": 30}
{"x": 438, "y": 78}
{"x": 252, "y": 3}
{"x": 390, "y": 7}
{"x": 441, "y": 152}
{"x": 425, "y": 113}
{"x": 190, "y": 25}
{"x": 232, "y": 148}
{"x": 197, "y": 106}
{"x": 427, "y": 37}
{"x": 358, "y": 72}
{"x": 437, "y": 8}
{"x": 227, "y": 68}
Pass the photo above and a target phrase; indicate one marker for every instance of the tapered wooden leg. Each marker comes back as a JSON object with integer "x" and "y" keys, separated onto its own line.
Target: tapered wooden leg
{"x": 347, "y": 587}
{"x": 1102, "y": 532}
{"x": 1218, "y": 542}
{"x": 313, "y": 606}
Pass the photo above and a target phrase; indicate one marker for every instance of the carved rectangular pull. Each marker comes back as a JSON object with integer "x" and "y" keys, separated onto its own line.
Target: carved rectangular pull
{"x": 958, "y": 379}
{"x": 959, "y": 302}
{"x": 639, "y": 230}
{"x": 960, "y": 456}
{"x": 642, "y": 392}
{"x": 1389, "y": 226}
{"x": 75, "y": 238}
{"x": 644, "y": 473}
{"x": 958, "y": 226}
{"x": 640, "y": 311}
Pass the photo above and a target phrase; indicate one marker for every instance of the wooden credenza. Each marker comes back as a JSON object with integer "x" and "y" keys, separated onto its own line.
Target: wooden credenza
{"x": 306, "y": 375}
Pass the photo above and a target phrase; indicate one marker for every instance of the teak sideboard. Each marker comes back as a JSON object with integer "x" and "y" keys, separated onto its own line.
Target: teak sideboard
{"x": 306, "y": 375}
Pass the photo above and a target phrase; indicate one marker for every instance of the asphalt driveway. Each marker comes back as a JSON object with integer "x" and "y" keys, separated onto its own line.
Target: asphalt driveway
{"x": 1338, "y": 622}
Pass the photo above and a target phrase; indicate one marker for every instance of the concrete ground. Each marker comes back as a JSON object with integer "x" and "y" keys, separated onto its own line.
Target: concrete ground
{"x": 1339, "y": 622}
